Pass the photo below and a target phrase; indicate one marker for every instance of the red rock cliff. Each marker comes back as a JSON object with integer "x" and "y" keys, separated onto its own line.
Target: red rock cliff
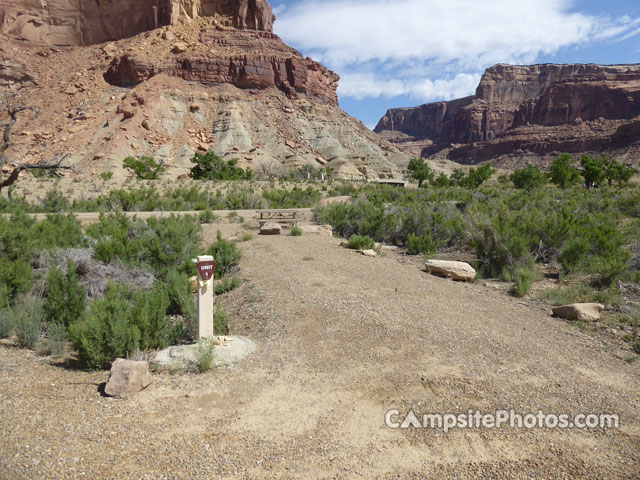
{"x": 510, "y": 96}
{"x": 86, "y": 22}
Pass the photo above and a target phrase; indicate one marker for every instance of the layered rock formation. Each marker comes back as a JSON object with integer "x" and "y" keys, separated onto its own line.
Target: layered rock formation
{"x": 86, "y": 22}
{"x": 223, "y": 83}
{"x": 581, "y": 107}
{"x": 221, "y": 56}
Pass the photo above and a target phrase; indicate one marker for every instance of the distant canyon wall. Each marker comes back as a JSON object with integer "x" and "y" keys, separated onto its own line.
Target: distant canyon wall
{"x": 509, "y": 96}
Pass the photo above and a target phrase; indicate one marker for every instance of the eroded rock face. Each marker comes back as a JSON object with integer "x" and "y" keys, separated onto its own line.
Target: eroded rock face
{"x": 86, "y": 22}
{"x": 511, "y": 100}
{"x": 273, "y": 64}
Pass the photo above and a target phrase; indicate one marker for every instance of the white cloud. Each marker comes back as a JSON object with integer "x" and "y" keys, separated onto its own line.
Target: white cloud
{"x": 427, "y": 48}
{"x": 361, "y": 85}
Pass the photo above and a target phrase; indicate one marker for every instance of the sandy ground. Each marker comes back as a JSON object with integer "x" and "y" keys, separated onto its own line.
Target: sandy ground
{"x": 342, "y": 339}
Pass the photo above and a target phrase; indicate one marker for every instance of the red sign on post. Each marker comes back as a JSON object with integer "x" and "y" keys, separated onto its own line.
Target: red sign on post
{"x": 206, "y": 269}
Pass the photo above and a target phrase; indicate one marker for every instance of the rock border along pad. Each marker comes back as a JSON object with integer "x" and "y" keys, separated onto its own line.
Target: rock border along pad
{"x": 229, "y": 350}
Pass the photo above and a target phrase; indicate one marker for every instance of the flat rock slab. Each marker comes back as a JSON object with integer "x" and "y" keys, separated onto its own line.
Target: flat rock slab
{"x": 127, "y": 377}
{"x": 317, "y": 229}
{"x": 455, "y": 270}
{"x": 229, "y": 350}
{"x": 271, "y": 228}
{"x": 585, "y": 312}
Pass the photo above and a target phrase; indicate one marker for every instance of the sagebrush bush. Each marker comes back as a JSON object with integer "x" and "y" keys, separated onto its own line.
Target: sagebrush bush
{"x": 121, "y": 323}
{"x": 220, "y": 321}
{"x": 207, "y": 216}
{"x": 27, "y": 321}
{"x": 523, "y": 278}
{"x": 358, "y": 242}
{"x": 293, "y": 198}
{"x": 205, "y": 353}
{"x": 57, "y": 338}
{"x": 181, "y": 302}
{"x": 6, "y": 322}
{"x": 227, "y": 285}
{"x": 65, "y": 298}
{"x": 417, "y": 244}
{"x": 162, "y": 244}
{"x": 295, "y": 231}
{"x": 226, "y": 255}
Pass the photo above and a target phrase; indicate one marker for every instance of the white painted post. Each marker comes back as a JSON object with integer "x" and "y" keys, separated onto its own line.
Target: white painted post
{"x": 205, "y": 296}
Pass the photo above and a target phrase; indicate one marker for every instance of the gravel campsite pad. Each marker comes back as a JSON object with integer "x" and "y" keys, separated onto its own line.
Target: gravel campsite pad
{"x": 341, "y": 340}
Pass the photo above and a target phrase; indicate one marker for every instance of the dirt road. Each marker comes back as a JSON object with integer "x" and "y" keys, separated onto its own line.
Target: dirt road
{"x": 342, "y": 339}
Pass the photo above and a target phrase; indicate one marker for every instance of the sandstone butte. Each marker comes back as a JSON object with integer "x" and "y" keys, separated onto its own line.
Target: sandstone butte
{"x": 167, "y": 78}
{"x": 527, "y": 113}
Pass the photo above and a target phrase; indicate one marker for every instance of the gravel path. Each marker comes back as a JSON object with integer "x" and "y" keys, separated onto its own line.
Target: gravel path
{"x": 342, "y": 338}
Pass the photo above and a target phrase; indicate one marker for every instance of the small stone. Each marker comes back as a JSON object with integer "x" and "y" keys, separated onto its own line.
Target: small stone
{"x": 127, "y": 377}
{"x": 146, "y": 125}
{"x": 369, "y": 253}
{"x": 179, "y": 47}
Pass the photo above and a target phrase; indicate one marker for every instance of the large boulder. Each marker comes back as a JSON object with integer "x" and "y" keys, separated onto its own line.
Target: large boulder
{"x": 450, "y": 269}
{"x": 586, "y": 312}
{"x": 127, "y": 377}
{"x": 317, "y": 229}
{"x": 271, "y": 228}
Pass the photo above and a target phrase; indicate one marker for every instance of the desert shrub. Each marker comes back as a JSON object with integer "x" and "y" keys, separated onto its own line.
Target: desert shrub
{"x": 220, "y": 321}
{"x": 226, "y": 255}
{"x": 227, "y": 285}
{"x": 528, "y": 178}
{"x": 54, "y": 201}
{"x": 417, "y": 244}
{"x": 211, "y": 167}
{"x": 234, "y": 217}
{"x": 293, "y": 198}
{"x": 523, "y": 278}
{"x": 358, "y": 242}
{"x": 245, "y": 237}
{"x": 27, "y": 321}
{"x": 145, "y": 168}
{"x": 65, "y": 297}
{"x": 161, "y": 243}
{"x": 207, "y": 216}
{"x": 181, "y": 302}
{"x": 16, "y": 277}
{"x": 57, "y": 338}
{"x": 242, "y": 199}
{"x": 106, "y": 176}
{"x": 205, "y": 352}
{"x": 6, "y": 322}
{"x": 121, "y": 323}
{"x": 295, "y": 231}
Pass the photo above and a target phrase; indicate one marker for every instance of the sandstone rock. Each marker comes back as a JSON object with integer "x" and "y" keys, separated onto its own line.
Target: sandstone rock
{"x": 326, "y": 230}
{"x": 271, "y": 228}
{"x": 586, "y": 312}
{"x": 146, "y": 125}
{"x": 127, "y": 377}
{"x": 73, "y": 22}
{"x": 450, "y": 269}
{"x": 228, "y": 350}
{"x": 179, "y": 47}
{"x": 265, "y": 62}
{"x": 321, "y": 160}
{"x": 369, "y": 253}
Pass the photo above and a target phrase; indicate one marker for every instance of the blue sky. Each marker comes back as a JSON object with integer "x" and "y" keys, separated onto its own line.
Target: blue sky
{"x": 400, "y": 53}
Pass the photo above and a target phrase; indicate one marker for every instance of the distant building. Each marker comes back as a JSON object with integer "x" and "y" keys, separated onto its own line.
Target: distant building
{"x": 393, "y": 181}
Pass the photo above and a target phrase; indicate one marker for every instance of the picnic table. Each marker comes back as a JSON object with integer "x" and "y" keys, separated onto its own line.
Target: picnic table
{"x": 284, "y": 217}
